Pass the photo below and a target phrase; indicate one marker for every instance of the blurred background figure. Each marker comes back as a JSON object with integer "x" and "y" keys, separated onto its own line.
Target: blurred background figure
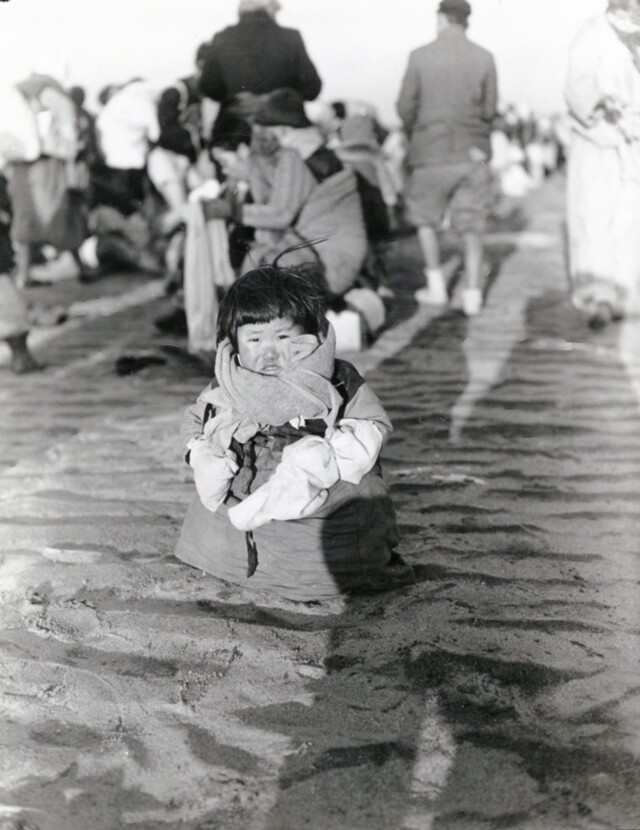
{"x": 256, "y": 56}
{"x": 172, "y": 163}
{"x": 603, "y": 94}
{"x": 14, "y": 326}
{"x": 48, "y": 189}
{"x": 127, "y": 126}
{"x": 358, "y": 148}
{"x": 447, "y": 104}
{"x": 300, "y": 192}
{"x": 508, "y": 160}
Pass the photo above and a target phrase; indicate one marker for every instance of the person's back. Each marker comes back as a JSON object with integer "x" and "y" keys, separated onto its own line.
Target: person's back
{"x": 447, "y": 103}
{"x": 448, "y": 99}
{"x": 257, "y": 55}
{"x": 254, "y": 57}
{"x": 127, "y": 124}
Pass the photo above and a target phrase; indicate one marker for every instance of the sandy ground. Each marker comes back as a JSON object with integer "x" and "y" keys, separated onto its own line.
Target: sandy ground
{"x": 501, "y": 691}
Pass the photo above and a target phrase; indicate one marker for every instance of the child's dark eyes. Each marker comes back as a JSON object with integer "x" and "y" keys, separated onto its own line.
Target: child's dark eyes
{"x": 284, "y": 336}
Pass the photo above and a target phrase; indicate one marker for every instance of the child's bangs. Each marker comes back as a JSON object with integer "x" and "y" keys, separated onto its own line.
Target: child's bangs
{"x": 265, "y": 306}
{"x": 268, "y": 294}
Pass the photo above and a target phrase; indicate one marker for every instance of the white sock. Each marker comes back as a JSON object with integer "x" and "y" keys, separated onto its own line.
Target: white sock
{"x": 436, "y": 282}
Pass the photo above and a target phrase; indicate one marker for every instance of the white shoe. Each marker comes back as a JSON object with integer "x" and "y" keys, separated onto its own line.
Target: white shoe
{"x": 427, "y": 296}
{"x": 385, "y": 293}
{"x": 435, "y": 292}
{"x": 471, "y": 301}
{"x": 64, "y": 267}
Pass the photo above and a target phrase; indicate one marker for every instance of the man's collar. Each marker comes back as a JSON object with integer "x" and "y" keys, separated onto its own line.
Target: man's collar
{"x": 453, "y": 30}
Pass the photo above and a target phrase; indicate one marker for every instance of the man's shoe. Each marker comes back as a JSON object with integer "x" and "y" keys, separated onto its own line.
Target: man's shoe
{"x": 427, "y": 296}
{"x": 471, "y": 301}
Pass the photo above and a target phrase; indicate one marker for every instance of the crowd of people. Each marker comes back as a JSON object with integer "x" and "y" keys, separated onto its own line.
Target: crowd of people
{"x": 224, "y": 169}
{"x": 270, "y": 230}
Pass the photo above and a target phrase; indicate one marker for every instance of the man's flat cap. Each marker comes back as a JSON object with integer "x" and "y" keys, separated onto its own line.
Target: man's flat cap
{"x": 458, "y": 7}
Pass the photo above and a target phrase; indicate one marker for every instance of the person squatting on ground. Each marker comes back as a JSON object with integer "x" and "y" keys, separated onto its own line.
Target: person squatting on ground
{"x": 126, "y": 214}
{"x": 284, "y": 445}
{"x": 447, "y": 104}
{"x": 603, "y": 187}
{"x": 301, "y": 192}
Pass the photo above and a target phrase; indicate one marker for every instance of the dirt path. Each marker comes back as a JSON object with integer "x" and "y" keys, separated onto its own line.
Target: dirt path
{"x": 502, "y": 691}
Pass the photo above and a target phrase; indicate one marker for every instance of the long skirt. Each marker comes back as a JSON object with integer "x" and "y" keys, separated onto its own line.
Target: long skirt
{"x": 45, "y": 209}
{"x": 603, "y": 213}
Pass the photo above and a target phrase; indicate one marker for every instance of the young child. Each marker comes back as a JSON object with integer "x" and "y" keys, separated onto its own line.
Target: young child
{"x": 285, "y": 447}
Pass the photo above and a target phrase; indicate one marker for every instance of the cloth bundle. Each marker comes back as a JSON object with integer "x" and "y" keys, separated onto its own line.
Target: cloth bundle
{"x": 206, "y": 267}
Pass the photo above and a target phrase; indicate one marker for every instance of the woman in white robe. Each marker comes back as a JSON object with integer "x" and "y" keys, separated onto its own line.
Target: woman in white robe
{"x": 603, "y": 94}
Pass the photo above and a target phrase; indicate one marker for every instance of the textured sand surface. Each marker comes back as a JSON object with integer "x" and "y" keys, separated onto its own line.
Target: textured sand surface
{"x": 501, "y": 691}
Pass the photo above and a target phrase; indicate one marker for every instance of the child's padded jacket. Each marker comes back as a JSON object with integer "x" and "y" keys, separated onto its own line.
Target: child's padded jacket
{"x": 342, "y": 546}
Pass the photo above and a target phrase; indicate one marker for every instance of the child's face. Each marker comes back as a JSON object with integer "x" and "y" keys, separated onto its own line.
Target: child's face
{"x": 266, "y": 347}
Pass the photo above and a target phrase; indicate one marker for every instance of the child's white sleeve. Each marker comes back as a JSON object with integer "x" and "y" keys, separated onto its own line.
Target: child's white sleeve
{"x": 356, "y": 445}
{"x": 212, "y": 472}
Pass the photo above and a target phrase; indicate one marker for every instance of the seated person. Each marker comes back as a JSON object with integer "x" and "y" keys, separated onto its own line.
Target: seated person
{"x": 285, "y": 447}
{"x": 301, "y": 192}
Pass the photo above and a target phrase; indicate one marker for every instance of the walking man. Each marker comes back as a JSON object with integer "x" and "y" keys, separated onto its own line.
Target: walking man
{"x": 447, "y": 104}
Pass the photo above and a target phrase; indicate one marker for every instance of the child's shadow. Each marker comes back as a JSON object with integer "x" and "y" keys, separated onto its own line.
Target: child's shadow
{"x": 356, "y": 746}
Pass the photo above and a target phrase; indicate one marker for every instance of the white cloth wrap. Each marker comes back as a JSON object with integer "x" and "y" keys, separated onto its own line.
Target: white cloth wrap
{"x": 299, "y": 485}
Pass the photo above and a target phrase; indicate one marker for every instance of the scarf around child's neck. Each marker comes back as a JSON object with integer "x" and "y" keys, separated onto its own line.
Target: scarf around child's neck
{"x": 247, "y": 401}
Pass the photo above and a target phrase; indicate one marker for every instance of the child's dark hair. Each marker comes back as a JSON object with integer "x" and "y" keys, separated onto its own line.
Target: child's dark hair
{"x": 298, "y": 293}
